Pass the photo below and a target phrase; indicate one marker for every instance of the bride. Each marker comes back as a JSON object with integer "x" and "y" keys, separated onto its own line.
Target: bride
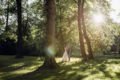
{"x": 66, "y": 55}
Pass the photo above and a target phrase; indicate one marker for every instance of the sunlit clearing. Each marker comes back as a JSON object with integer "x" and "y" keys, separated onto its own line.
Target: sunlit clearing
{"x": 98, "y": 18}
{"x": 50, "y": 51}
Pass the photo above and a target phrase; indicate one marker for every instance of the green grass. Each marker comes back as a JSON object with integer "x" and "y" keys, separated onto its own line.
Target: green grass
{"x": 102, "y": 68}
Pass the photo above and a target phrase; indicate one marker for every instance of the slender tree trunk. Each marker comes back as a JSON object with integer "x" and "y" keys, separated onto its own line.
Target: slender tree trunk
{"x": 82, "y": 47}
{"x": 50, "y": 62}
{"x": 7, "y": 17}
{"x": 62, "y": 43}
{"x": 61, "y": 34}
{"x": 19, "y": 30}
{"x": 90, "y": 56}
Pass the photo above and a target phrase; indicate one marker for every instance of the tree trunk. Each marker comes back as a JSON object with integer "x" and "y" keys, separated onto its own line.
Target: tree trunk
{"x": 82, "y": 47}
{"x": 49, "y": 62}
{"x": 62, "y": 43}
{"x": 7, "y": 17}
{"x": 60, "y": 32}
{"x": 19, "y": 30}
{"x": 90, "y": 56}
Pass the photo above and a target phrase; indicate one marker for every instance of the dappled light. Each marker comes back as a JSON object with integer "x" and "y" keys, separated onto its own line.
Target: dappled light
{"x": 59, "y": 40}
{"x": 98, "y": 69}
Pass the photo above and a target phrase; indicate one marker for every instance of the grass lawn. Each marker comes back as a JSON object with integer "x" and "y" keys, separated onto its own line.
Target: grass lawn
{"x": 102, "y": 68}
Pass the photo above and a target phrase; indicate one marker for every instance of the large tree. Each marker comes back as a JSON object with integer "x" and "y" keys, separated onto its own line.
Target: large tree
{"x": 82, "y": 47}
{"x": 90, "y": 56}
{"x": 19, "y": 30}
{"x": 7, "y": 15}
{"x": 49, "y": 61}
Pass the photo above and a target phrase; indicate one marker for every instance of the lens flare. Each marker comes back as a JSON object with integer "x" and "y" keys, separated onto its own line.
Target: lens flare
{"x": 50, "y": 51}
{"x": 98, "y": 18}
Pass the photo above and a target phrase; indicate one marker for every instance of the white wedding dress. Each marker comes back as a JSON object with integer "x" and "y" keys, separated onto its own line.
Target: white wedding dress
{"x": 65, "y": 56}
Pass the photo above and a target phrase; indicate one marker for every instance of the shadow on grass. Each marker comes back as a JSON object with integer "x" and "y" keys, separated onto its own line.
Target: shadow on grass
{"x": 12, "y": 64}
{"x": 93, "y": 69}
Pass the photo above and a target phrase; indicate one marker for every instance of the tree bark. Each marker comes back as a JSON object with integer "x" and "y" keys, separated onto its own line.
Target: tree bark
{"x": 19, "y": 30}
{"x": 7, "y": 17}
{"x": 49, "y": 62}
{"x": 62, "y": 42}
{"x": 90, "y": 54}
{"x": 82, "y": 47}
{"x": 60, "y": 31}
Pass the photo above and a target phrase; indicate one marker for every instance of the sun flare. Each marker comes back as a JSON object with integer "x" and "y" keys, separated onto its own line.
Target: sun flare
{"x": 98, "y": 18}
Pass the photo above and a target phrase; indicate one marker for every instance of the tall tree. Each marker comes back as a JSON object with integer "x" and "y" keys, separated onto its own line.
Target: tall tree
{"x": 49, "y": 61}
{"x": 82, "y": 47}
{"x": 7, "y": 16}
{"x": 59, "y": 32}
{"x": 19, "y": 29}
{"x": 90, "y": 56}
